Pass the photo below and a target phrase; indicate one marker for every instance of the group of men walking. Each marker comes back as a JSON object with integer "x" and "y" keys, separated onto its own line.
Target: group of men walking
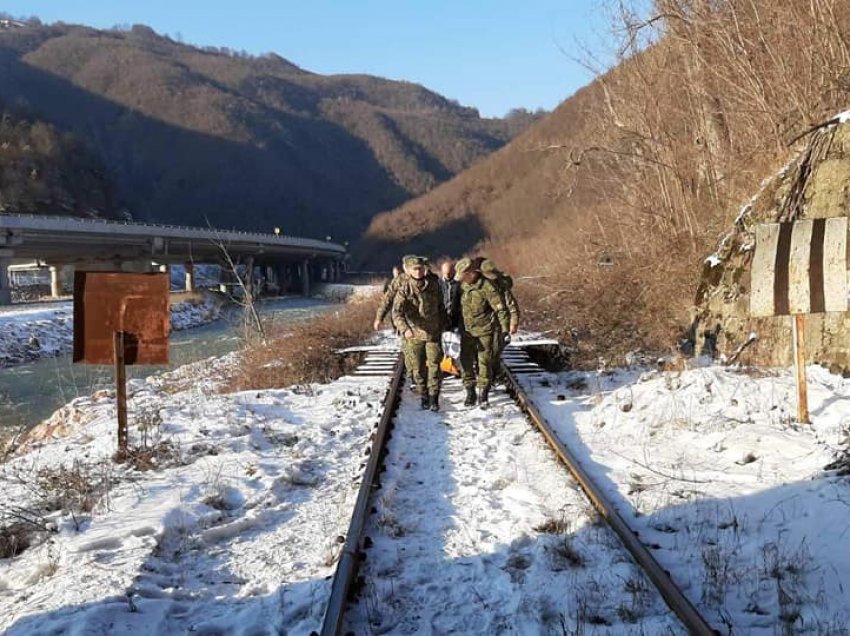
{"x": 472, "y": 298}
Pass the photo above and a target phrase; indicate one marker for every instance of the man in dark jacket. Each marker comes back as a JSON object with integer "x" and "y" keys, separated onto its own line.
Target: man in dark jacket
{"x": 451, "y": 294}
{"x": 420, "y": 317}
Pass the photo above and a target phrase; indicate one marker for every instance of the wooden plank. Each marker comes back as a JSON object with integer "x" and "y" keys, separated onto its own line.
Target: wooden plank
{"x": 761, "y": 294}
{"x": 834, "y": 264}
{"x": 781, "y": 272}
{"x": 799, "y": 299}
{"x": 798, "y": 324}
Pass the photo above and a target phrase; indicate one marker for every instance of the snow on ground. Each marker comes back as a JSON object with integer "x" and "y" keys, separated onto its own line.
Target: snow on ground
{"x": 460, "y": 538}
{"x": 38, "y": 331}
{"x": 733, "y": 496}
{"x": 235, "y": 533}
{"x": 235, "y": 527}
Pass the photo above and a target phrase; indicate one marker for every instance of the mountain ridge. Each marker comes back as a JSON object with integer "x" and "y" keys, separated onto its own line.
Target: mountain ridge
{"x": 193, "y": 135}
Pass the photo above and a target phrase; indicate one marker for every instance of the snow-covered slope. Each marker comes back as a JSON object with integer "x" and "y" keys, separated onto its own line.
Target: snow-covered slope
{"x": 710, "y": 467}
{"x": 233, "y": 529}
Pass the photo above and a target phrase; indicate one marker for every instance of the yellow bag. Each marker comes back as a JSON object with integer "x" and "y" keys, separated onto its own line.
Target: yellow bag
{"x": 448, "y": 365}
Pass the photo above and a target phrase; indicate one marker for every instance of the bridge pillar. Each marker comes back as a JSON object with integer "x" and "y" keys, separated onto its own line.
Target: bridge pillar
{"x": 5, "y": 283}
{"x": 249, "y": 275}
{"x": 189, "y": 266}
{"x": 55, "y": 283}
{"x": 305, "y": 278}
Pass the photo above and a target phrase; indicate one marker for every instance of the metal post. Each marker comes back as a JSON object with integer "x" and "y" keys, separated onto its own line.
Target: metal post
{"x": 121, "y": 390}
{"x": 798, "y": 328}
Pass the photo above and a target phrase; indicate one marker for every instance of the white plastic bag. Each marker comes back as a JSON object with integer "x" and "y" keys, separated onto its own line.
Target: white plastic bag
{"x": 451, "y": 344}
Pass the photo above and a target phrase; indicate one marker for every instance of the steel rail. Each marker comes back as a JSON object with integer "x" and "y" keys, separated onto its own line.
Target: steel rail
{"x": 672, "y": 595}
{"x": 349, "y": 561}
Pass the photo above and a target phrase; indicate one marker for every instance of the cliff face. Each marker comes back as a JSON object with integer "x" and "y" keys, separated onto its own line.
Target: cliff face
{"x": 814, "y": 185}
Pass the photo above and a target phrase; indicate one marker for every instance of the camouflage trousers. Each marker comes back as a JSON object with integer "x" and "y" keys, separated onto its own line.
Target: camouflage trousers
{"x": 480, "y": 350}
{"x": 422, "y": 360}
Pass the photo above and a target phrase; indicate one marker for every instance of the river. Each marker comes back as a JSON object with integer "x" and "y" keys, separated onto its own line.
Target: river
{"x": 29, "y": 393}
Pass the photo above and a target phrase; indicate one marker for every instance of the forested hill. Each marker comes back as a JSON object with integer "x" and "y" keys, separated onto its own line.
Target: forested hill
{"x": 188, "y": 134}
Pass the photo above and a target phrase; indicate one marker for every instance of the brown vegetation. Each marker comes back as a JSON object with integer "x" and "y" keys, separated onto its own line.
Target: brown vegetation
{"x": 44, "y": 170}
{"x": 609, "y": 205}
{"x": 304, "y": 352}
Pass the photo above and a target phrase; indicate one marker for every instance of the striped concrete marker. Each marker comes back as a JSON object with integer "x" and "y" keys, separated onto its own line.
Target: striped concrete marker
{"x": 800, "y": 268}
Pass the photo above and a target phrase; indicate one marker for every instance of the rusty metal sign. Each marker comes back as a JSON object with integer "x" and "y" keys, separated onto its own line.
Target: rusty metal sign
{"x": 800, "y": 268}
{"x": 135, "y": 304}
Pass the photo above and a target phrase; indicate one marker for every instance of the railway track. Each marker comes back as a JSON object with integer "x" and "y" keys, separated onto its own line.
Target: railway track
{"x": 357, "y": 544}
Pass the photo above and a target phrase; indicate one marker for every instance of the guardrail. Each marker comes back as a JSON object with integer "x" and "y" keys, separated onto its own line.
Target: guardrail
{"x": 139, "y": 228}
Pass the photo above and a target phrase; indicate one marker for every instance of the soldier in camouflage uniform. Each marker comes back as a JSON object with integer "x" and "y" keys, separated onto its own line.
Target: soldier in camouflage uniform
{"x": 484, "y": 315}
{"x": 420, "y": 317}
{"x": 504, "y": 284}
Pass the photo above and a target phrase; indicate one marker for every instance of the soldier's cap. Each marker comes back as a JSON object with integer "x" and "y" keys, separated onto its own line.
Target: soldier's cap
{"x": 489, "y": 269}
{"x": 411, "y": 261}
{"x": 464, "y": 265}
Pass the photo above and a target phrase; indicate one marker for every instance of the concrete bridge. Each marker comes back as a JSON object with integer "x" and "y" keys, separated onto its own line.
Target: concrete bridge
{"x": 62, "y": 243}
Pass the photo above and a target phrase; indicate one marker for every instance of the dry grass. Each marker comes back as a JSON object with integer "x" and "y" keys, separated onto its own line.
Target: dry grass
{"x": 148, "y": 457}
{"x": 14, "y": 539}
{"x": 79, "y": 488}
{"x": 305, "y": 352}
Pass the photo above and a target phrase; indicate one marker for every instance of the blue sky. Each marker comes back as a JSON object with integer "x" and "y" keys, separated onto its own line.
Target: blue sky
{"x": 490, "y": 54}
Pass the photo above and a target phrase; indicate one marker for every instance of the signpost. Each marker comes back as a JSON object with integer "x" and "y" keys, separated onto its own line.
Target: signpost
{"x": 800, "y": 268}
{"x": 121, "y": 318}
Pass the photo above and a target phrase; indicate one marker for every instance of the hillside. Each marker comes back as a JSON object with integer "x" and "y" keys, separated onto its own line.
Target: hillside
{"x": 190, "y": 134}
{"x": 42, "y": 168}
{"x": 610, "y": 204}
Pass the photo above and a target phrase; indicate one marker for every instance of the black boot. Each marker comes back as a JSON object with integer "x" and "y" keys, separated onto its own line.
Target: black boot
{"x": 484, "y": 397}
{"x": 426, "y": 402}
{"x": 435, "y": 403}
{"x": 470, "y": 396}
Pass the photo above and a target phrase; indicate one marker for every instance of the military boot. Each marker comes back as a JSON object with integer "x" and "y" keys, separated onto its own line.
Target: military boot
{"x": 435, "y": 403}
{"x": 484, "y": 397}
{"x": 426, "y": 402}
{"x": 470, "y": 396}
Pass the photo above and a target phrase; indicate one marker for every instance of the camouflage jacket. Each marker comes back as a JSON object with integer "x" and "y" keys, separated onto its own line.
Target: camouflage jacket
{"x": 418, "y": 306}
{"x": 390, "y": 290}
{"x": 505, "y": 284}
{"x": 483, "y": 308}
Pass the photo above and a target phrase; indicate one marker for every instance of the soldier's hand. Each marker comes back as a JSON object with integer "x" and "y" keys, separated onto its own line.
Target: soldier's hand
{"x": 514, "y": 329}
{"x": 377, "y": 325}
{"x": 506, "y": 338}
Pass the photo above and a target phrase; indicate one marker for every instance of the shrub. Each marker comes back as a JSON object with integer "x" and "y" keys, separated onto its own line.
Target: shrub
{"x": 304, "y": 352}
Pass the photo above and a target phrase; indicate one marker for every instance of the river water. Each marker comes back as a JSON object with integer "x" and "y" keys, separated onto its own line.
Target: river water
{"x": 29, "y": 393}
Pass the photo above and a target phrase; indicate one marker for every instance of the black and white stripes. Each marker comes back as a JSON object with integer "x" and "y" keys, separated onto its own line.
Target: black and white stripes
{"x": 800, "y": 268}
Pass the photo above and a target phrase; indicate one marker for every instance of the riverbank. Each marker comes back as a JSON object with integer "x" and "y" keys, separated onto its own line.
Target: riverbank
{"x": 36, "y": 331}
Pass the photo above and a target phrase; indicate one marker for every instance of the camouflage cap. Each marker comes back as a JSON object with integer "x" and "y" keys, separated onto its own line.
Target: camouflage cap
{"x": 462, "y": 266}
{"x": 489, "y": 269}
{"x": 411, "y": 261}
